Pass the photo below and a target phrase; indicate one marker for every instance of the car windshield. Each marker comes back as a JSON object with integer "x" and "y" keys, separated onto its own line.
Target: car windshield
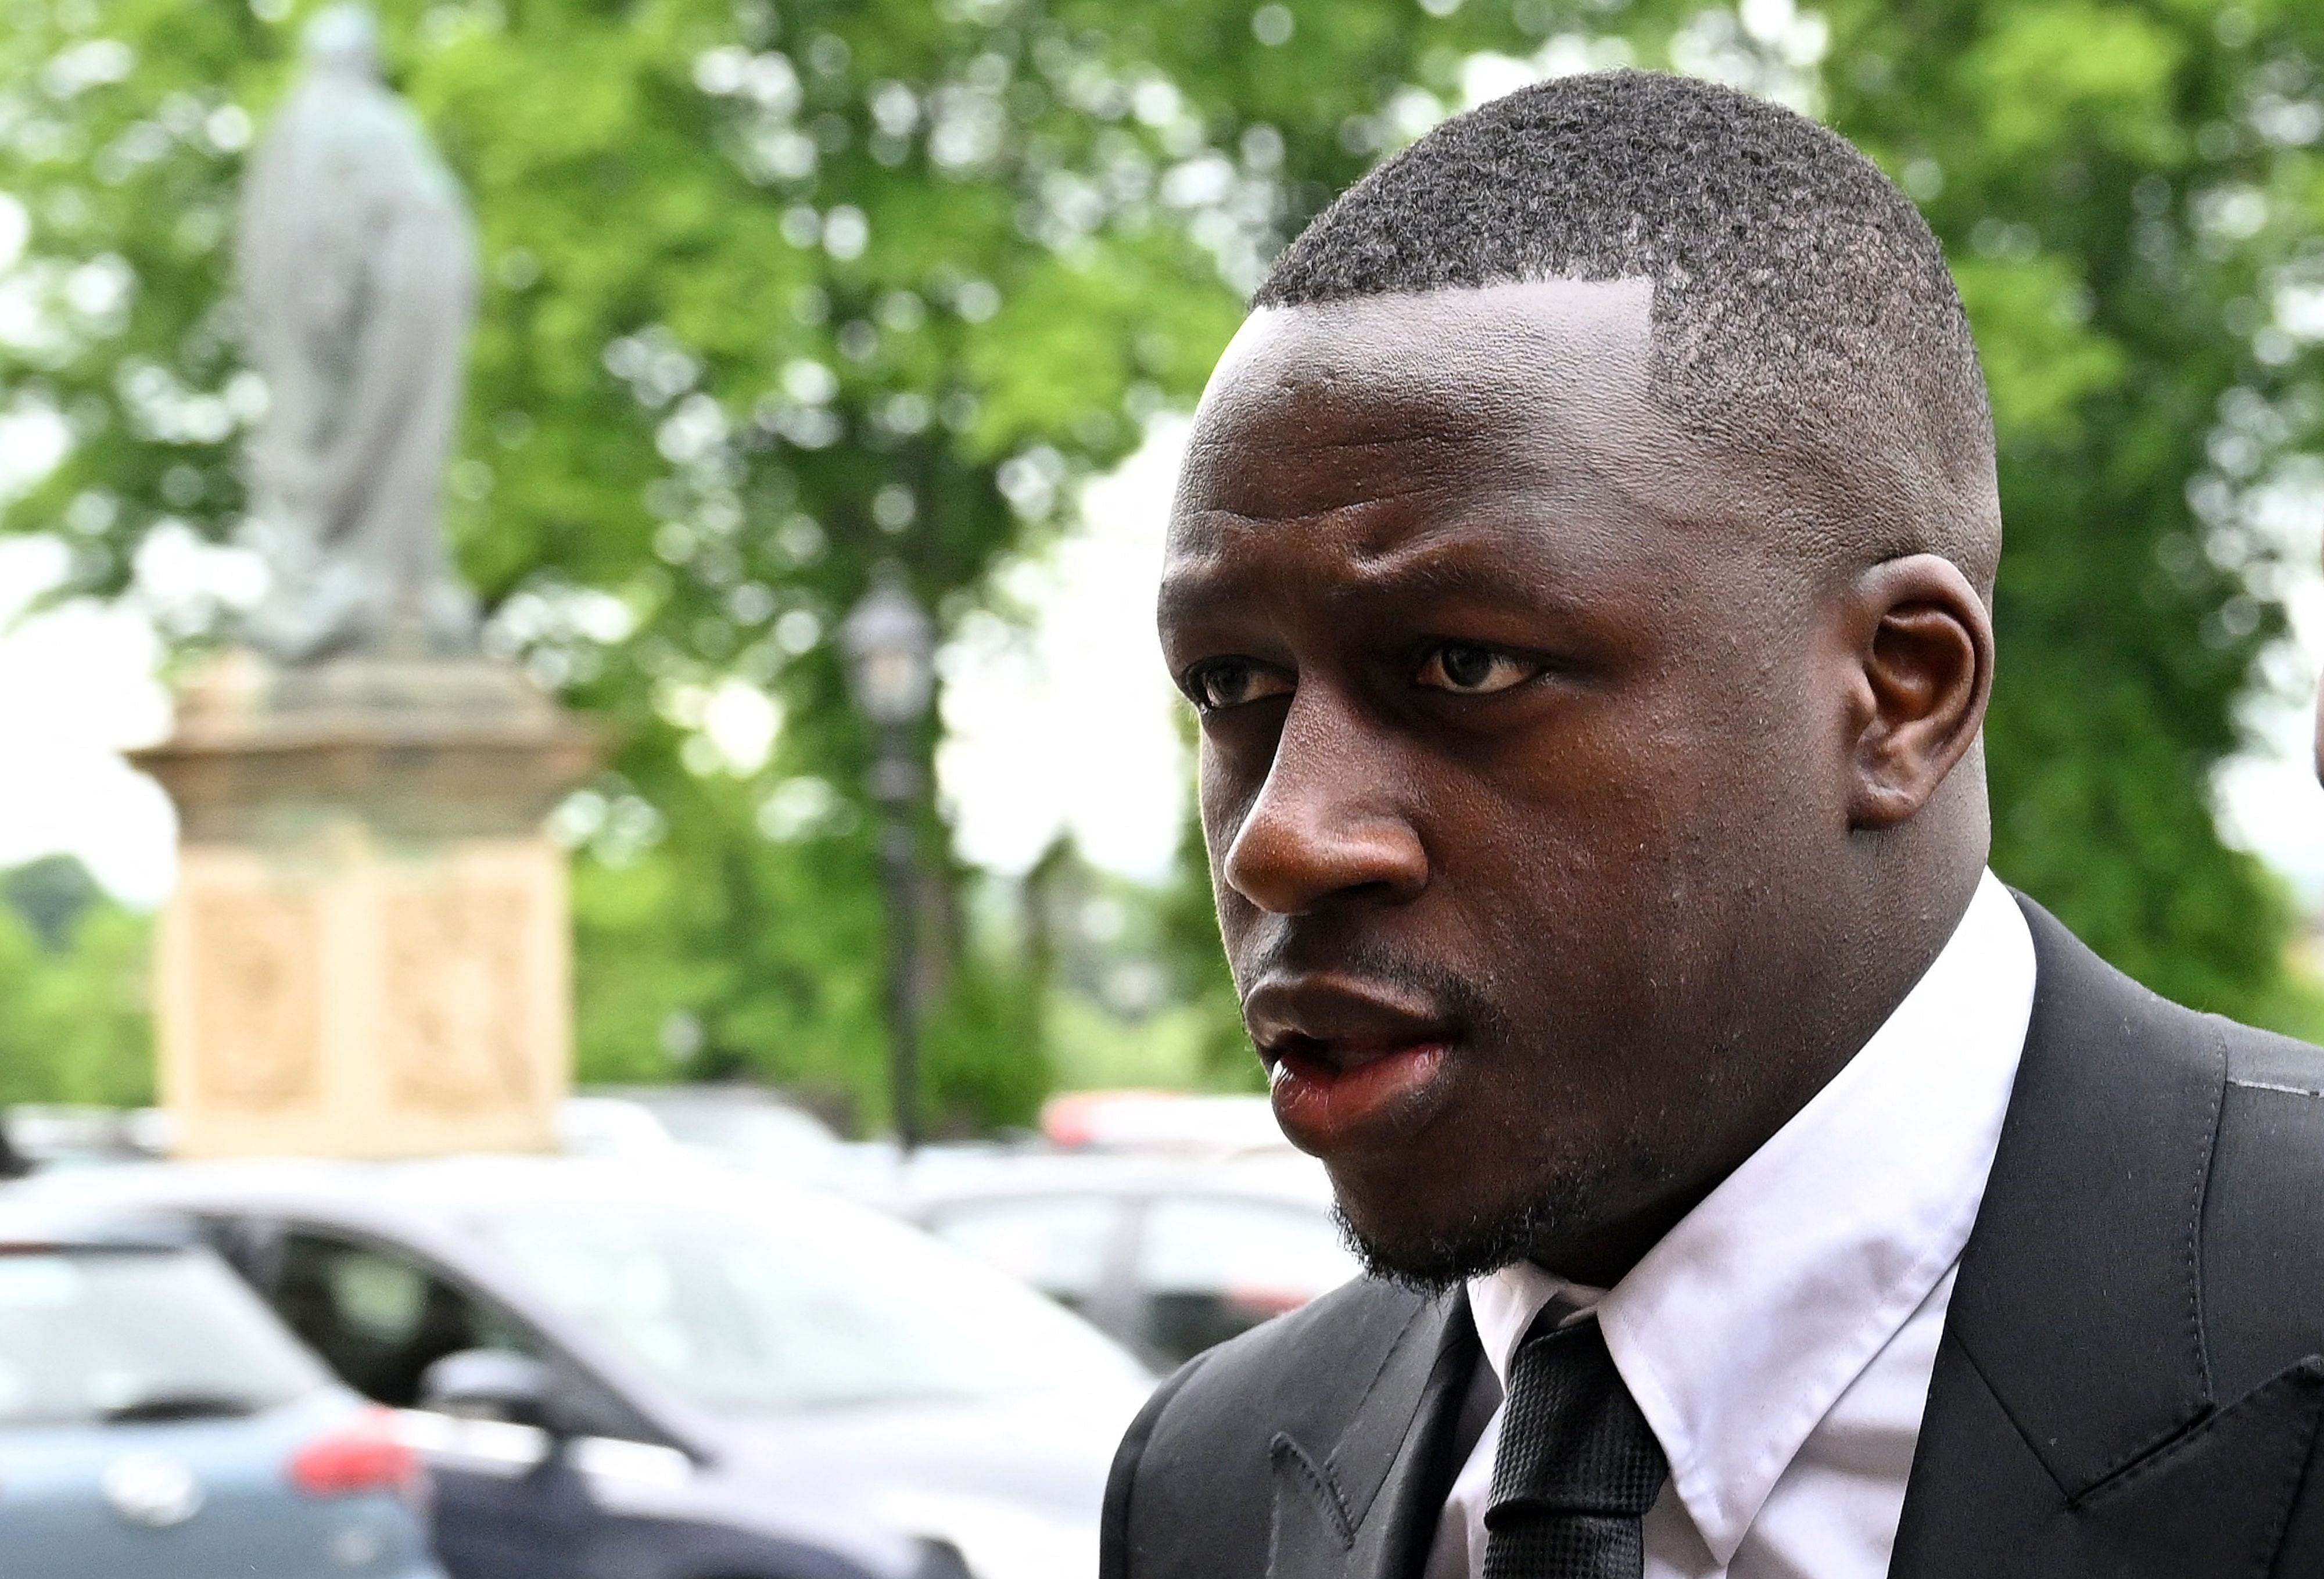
{"x": 93, "y": 1335}
{"x": 747, "y": 1311}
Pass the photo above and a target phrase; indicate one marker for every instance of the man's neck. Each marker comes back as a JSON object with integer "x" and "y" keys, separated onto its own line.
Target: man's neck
{"x": 1835, "y": 1021}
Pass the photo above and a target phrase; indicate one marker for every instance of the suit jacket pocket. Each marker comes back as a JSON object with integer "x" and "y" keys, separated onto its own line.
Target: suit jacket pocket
{"x": 1312, "y": 1535}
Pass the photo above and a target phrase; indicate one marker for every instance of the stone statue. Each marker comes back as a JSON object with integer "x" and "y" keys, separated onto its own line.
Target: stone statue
{"x": 356, "y": 268}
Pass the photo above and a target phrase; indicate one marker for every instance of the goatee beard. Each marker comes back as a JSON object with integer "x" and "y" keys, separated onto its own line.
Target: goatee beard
{"x": 1438, "y": 1263}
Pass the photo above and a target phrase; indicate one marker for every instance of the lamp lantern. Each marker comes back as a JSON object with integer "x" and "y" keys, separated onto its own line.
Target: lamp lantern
{"x": 891, "y": 647}
{"x": 889, "y": 643}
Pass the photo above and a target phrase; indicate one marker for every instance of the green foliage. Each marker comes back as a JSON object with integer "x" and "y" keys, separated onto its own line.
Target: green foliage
{"x": 75, "y": 1027}
{"x": 1199, "y": 977}
{"x": 50, "y": 894}
{"x": 771, "y": 299}
{"x": 719, "y": 951}
{"x": 2124, "y": 189}
{"x": 1092, "y": 1049}
{"x": 1137, "y": 987}
{"x": 777, "y": 292}
{"x": 982, "y": 1063}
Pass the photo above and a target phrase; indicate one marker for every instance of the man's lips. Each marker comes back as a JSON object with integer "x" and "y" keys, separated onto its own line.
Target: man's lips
{"x": 1346, "y": 1064}
{"x": 1328, "y": 1097}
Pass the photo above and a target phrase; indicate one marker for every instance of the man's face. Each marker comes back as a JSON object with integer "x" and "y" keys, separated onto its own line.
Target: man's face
{"x": 1520, "y": 752}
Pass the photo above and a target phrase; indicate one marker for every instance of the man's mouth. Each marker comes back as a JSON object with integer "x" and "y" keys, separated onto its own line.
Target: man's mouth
{"x": 1329, "y": 1095}
{"x": 1345, "y": 1066}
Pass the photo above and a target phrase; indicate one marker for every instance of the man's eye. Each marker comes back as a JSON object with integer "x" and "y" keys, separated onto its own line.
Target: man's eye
{"x": 1230, "y": 682}
{"x": 1473, "y": 671}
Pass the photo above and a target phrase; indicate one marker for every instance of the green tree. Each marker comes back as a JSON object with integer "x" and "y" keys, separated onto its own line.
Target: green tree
{"x": 2131, "y": 197}
{"x": 74, "y": 1022}
{"x": 779, "y": 292}
{"x": 773, "y": 297}
{"x": 51, "y": 895}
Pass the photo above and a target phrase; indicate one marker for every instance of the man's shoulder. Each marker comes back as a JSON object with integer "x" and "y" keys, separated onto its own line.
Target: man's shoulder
{"x": 1306, "y": 1372}
{"x": 2169, "y": 1158}
{"x": 2258, "y": 1240}
{"x": 1193, "y": 1485}
{"x": 2262, "y": 1232}
{"x": 2267, "y": 1162}
{"x": 2263, "y": 1061}
{"x": 2237, "y": 1111}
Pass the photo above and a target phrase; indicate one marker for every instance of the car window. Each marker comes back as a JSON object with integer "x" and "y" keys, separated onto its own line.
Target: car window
{"x": 1212, "y": 1266}
{"x": 379, "y": 1318}
{"x": 131, "y": 1335}
{"x": 1060, "y": 1244}
{"x": 747, "y": 1310}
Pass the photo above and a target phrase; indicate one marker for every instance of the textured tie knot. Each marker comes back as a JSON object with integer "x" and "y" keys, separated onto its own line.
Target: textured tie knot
{"x": 1578, "y": 1466}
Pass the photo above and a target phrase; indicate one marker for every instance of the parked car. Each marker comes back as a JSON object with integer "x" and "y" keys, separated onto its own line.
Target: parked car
{"x": 1190, "y": 1123}
{"x": 737, "y": 1125}
{"x": 38, "y": 1135}
{"x": 635, "y": 1372}
{"x": 1168, "y": 1256}
{"x": 156, "y": 1419}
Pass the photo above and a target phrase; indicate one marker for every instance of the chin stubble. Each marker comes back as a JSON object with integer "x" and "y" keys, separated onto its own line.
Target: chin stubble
{"x": 1439, "y": 1262}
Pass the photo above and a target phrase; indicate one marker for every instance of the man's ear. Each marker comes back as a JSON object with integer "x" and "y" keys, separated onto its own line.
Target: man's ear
{"x": 1923, "y": 652}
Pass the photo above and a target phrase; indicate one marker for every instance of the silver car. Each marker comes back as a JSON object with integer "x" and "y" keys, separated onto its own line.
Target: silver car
{"x": 156, "y": 1419}
{"x": 636, "y": 1373}
{"x": 1166, "y": 1254}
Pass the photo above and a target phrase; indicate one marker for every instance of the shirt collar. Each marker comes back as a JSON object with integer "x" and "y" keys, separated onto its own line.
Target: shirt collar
{"x": 1739, "y": 1330}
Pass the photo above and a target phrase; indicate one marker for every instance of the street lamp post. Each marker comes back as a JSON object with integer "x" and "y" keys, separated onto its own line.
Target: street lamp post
{"x": 890, "y": 644}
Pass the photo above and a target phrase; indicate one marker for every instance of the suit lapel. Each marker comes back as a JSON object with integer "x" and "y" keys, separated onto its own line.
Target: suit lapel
{"x": 1393, "y": 1543}
{"x": 2090, "y": 1220}
{"x": 1365, "y": 1506}
{"x": 2071, "y": 1409}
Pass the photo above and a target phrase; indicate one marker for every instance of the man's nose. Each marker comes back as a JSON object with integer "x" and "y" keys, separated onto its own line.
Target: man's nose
{"x": 1327, "y": 821}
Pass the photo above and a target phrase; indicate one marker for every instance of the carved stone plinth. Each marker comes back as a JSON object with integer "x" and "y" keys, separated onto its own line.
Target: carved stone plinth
{"x": 368, "y": 952}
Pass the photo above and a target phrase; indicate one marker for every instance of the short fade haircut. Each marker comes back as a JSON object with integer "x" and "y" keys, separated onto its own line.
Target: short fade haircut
{"x": 1803, "y": 311}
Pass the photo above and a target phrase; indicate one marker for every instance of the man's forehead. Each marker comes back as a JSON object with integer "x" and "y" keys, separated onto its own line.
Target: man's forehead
{"x": 1336, "y": 403}
{"x": 1541, "y": 338}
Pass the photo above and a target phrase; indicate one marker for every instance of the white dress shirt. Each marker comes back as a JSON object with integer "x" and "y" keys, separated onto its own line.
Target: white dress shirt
{"x": 1780, "y": 1339}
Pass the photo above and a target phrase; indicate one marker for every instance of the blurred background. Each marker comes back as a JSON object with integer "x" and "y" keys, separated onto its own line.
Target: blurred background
{"x": 773, "y": 292}
{"x": 829, "y": 369}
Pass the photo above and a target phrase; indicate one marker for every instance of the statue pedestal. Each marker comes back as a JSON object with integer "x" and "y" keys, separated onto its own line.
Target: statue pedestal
{"x": 368, "y": 953}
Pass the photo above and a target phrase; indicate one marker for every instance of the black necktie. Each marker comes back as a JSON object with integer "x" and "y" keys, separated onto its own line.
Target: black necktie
{"x": 1578, "y": 1466}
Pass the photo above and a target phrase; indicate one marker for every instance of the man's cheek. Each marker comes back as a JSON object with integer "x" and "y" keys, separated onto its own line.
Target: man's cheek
{"x": 1235, "y": 919}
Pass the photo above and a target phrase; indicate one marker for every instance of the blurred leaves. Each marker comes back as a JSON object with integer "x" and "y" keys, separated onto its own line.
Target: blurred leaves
{"x": 2055, "y": 77}
{"x": 778, "y": 292}
{"x": 73, "y": 973}
{"x": 2101, "y": 176}
{"x": 2043, "y": 362}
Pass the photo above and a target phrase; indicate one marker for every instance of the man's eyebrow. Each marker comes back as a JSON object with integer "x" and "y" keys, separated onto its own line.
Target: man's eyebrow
{"x": 1514, "y": 563}
{"x": 1539, "y": 577}
{"x": 1193, "y": 593}
{"x": 1446, "y": 575}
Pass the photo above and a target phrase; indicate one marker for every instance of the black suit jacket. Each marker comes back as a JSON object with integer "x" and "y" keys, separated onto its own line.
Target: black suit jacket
{"x": 2129, "y": 1384}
